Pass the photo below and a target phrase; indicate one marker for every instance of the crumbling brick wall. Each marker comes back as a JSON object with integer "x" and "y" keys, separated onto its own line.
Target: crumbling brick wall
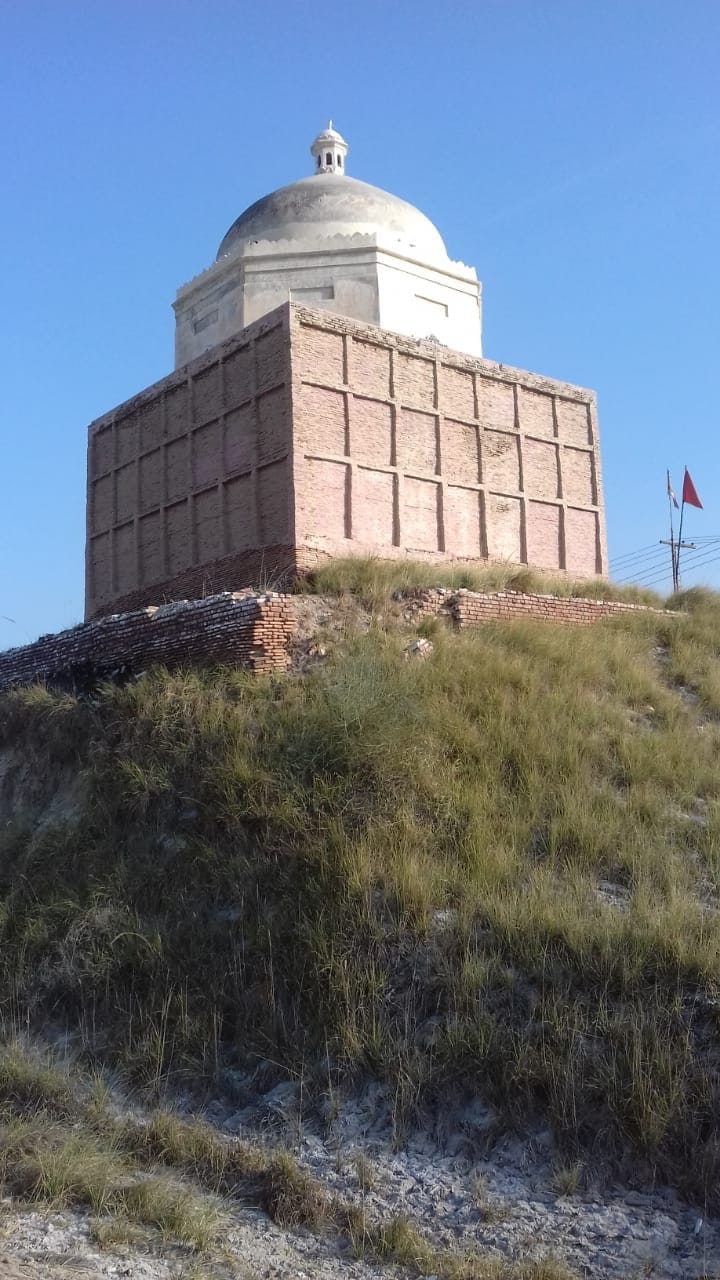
{"x": 472, "y": 608}
{"x": 254, "y": 631}
{"x": 245, "y": 629}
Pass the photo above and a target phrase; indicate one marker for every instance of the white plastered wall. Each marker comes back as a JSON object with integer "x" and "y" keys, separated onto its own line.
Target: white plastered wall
{"x": 354, "y": 276}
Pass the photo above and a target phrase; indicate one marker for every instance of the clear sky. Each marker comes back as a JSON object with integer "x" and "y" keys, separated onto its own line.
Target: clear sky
{"x": 566, "y": 148}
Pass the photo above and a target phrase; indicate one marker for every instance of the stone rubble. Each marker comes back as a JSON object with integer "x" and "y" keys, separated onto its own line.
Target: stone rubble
{"x": 421, "y": 648}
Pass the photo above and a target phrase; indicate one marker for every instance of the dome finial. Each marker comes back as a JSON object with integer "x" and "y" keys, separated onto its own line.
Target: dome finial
{"x": 329, "y": 150}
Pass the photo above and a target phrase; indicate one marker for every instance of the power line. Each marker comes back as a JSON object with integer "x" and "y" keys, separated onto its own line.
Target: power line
{"x": 634, "y": 560}
{"x": 697, "y": 564}
{"x": 642, "y": 566}
{"x": 639, "y": 559}
{"x": 637, "y": 574}
{"x": 630, "y": 555}
{"x": 687, "y": 568}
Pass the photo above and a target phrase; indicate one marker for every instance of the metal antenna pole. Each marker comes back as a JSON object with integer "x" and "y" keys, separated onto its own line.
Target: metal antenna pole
{"x": 673, "y": 555}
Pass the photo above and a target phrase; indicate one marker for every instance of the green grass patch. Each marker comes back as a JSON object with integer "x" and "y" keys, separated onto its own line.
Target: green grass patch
{"x": 375, "y": 580}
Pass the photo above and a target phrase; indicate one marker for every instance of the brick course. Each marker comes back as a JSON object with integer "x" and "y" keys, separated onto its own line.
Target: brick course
{"x": 254, "y": 631}
{"x": 446, "y": 456}
{"x": 190, "y": 482}
{"x": 472, "y": 608}
{"x": 244, "y": 629}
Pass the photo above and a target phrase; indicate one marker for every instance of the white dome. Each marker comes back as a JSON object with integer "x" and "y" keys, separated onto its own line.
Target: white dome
{"x": 332, "y": 243}
{"x": 331, "y": 204}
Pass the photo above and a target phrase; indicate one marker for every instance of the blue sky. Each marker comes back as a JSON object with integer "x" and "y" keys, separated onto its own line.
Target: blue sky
{"x": 566, "y": 148}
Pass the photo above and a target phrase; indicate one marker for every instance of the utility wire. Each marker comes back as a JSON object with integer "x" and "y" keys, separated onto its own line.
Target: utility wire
{"x": 638, "y": 565}
{"x": 637, "y": 570}
{"x": 660, "y": 549}
{"x": 637, "y": 574}
{"x": 687, "y": 567}
{"x": 638, "y": 559}
{"x": 630, "y": 555}
{"x": 697, "y": 564}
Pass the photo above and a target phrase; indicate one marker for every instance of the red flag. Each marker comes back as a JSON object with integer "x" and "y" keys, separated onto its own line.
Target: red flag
{"x": 671, "y": 493}
{"x": 689, "y": 493}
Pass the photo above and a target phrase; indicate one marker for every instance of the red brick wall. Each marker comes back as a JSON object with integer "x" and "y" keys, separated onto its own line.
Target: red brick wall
{"x": 191, "y": 478}
{"x": 244, "y": 629}
{"x": 267, "y": 568}
{"x": 472, "y": 608}
{"x": 255, "y": 630}
{"x": 406, "y": 448}
{"x": 312, "y": 433}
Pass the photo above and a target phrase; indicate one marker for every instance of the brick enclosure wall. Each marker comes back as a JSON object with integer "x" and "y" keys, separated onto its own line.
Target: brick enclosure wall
{"x": 255, "y": 631}
{"x": 472, "y": 608}
{"x": 191, "y": 478}
{"x": 246, "y": 630}
{"x": 406, "y": 448}
{"x": 309, "y": 436}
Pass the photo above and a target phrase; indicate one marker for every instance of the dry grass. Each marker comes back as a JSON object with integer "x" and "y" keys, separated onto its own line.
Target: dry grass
{"x": 374, "y": 581}
{"x": 272, "y": 1180}
{"x": 491, "y": 1210}
{"x": 567, "y": 1178}
{"x": 399, "y": 1241}
{"x": 45, "y": 1162}
{"x": 398, "y": 868}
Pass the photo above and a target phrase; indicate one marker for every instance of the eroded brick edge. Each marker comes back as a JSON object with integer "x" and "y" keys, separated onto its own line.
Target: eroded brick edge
{"x": 253, "y": 631}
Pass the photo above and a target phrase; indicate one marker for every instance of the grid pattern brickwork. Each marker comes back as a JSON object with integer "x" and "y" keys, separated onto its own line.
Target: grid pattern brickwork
{"x": 407, "y": 448}
{"x": 309, "y": 436}
{"x": 192, "y": 474}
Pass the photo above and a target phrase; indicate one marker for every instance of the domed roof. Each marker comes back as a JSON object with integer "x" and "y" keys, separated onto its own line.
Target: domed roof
{"x": 328, "y": 203}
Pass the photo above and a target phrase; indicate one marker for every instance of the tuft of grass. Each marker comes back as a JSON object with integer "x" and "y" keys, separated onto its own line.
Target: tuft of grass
{"x": 54, "y": 1166}
{"x": 398, "y": 1241}
{"x": 567, "y": 1178}
{"x": 175, "y": 1212}
{"x": 292, "y": 1197}
{"x": 45, "y": 1162}
{"x": 271, "y": 1179}
{"x": 491, "y": 1210}
{"x": 364, "y": 1172}
{"x": 32, "y": 1081}
{"x": 110, "y": 1233}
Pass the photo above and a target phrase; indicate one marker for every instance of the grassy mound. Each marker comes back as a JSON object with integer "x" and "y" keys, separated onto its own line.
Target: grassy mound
{"x": 494, "y": 873}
